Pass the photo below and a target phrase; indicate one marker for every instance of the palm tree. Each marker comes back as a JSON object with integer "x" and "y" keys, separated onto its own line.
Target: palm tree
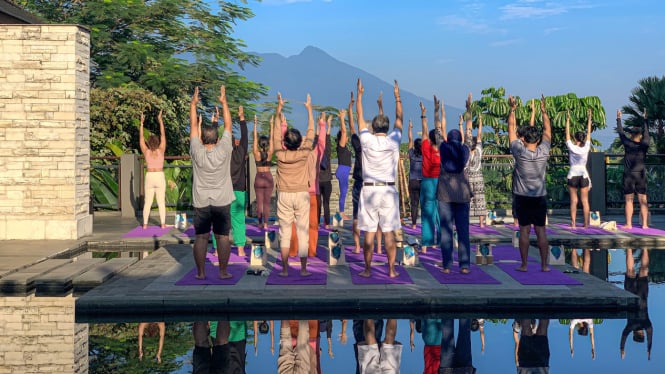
{"x": 649, "y": 95}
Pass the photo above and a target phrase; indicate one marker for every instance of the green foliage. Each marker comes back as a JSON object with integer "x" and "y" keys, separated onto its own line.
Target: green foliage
{"x": 649, "y": 95}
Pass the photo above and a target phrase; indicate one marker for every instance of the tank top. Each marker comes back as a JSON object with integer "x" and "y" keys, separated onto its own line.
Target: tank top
{"x": 343, "y": 156}
{"x": 154, "y": 159}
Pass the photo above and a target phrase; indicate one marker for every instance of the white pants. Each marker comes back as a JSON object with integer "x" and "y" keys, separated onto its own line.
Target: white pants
{"x": 384, "y": 361}
{"x": 155, "y": 186}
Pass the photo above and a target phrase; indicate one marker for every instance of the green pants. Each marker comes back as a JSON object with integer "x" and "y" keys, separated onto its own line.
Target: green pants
{"x": 238, "y": 219}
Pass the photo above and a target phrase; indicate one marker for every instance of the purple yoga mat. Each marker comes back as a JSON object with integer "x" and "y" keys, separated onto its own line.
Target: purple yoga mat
{"x": 379, "y": 275}
{"x": 536, "y": 277}
{"x": 580, "y": 230}
{"x": 212, "y": 276}
{"x": 476, "y": 276}
{"x": 252, "y": 230}
{"x": 487, "y": 230}
{"x": 359, "y": 257}
{"x": 640, "y": 231}
{"x": 505, "y": 252}
{"x": 433, "y": 255}
{"x": 190, "y": 232}
{"x": 318, "y": 277}
{"x": 408, "y": 230}
{"x": 548, "y": 231}
{"x": 234, "y": 258}
{"x": 149, "y": 232}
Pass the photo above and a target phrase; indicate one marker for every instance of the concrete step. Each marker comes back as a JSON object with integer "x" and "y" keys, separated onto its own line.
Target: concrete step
{"x": 101, "y": 273}
{"x": 22, "y": 281}
{"x": 58, "y": 282}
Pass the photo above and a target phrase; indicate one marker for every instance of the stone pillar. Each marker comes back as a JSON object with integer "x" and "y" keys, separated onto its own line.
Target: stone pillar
{"x": 44, "y": 132}
{"x": 40, "y": 335}
{"x": 596, "y": 167}
{"x": 131, "y": 176}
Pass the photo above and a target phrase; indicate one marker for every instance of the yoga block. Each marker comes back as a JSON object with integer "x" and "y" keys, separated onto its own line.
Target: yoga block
{"x": 399, "y": 236}
{"x": 594, "y": 218}
{"x": 484, "y": 254}
{"x": 180, "y": 221}
{"x": 337, "y": 220}
{"x": 455, "y": 244}
{"x": 516, "y": 239}
{"x": 258, "y": 255}
{"x": 407, "y": 255}
{"x": 272, "y": 240}
{"x": 556, "y": 255}
{"x": 335, "y": 249}
{"x": 491, "y": 217}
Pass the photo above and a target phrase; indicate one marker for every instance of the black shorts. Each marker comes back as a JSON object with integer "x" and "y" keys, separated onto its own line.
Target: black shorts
{"x": 578, "y": 182}
{"x": 530, "y": 210}
{"x": 635, "y": 182}
{"x": 217, "y": 216}
{"x": 227, "y": 358}
{"x": 355, "y": 196}
{"x": 533, "y": 351}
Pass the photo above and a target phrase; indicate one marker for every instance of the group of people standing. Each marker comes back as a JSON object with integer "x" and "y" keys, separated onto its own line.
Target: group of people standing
{"x": 445, "y": 181}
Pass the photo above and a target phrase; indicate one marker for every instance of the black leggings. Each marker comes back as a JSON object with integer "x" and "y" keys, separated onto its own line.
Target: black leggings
{"x": 414, "y": 198}
{"x": 326, "y": 190}
{"x": 263, "y": 186}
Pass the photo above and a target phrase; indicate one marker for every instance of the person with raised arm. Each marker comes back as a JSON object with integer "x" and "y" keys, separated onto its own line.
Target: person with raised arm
{"x": 293, "y": 199}
{"x": 325, "y": 179}
{"x": 634, "y": 170}
{"x": 478, "y": 206}
{"x": 155, "y": 182}
{"x": 454, "y": 194}
{"x": 263, "y": 182}
{"x": 357, "y": 176}
{"x": 431, "y": 233}
{"x": 212, "y": 191}
{"x": 344, "y": 157}
{"x": 379, "y": 199}
{"x": 578, "y": 176}
{"x": 530, "y": 194}
{"x": 239, "y": 181}
{"x": 415, "y": 174}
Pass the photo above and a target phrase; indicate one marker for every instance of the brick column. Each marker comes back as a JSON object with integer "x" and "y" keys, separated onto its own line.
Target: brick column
{"x": 44, "y": 132}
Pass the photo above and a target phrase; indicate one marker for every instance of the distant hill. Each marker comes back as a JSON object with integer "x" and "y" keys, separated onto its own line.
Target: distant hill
{"x": 329, "y": 82}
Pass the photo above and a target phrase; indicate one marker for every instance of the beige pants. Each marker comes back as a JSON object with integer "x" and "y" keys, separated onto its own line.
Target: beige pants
{"x": 155, "y": 186}
{"x": 293, "y": 207}
{"x": 294, "y": 360}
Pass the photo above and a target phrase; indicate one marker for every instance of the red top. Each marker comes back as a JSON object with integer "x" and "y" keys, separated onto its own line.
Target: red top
{"x": 431, "y": 160}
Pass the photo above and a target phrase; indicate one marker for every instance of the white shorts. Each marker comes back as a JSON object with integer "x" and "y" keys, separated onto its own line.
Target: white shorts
{"x": 379, "y": 206}
{"x": 375, "y": 361}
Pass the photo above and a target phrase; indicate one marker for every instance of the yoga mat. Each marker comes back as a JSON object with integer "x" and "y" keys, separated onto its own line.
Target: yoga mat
{"x": 212, "y": 276}
{"x": 190, "y": 232}
{"x": 324, "y": 231}
{"x": 433, "y": 255}
{"x": 580, "y": 230}
{"x": 476, "y": 276}
{"x": 379, "y": 275}
{"x": 548, "y": 231}
{"x": 536, "y": 277}
{"x": 359, "y": 257}
{"x": 408, "y": 230}
{"x": 505, "y": 252}
{"x": 487, "y": 230}
{"x": 640, "y": 231}
{"x": 320, "y": 258}
{"x": 234, "y": 258}
{"x": 149, "y": 232}
{"x": 318, "y": 277}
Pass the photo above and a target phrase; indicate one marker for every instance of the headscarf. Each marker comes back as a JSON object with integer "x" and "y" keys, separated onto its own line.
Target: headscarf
{"x": 454, "y": 154}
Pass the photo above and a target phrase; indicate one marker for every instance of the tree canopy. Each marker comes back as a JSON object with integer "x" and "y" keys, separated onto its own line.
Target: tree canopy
{"x": 648, "y": 96}
{"x": 153, "y": 53}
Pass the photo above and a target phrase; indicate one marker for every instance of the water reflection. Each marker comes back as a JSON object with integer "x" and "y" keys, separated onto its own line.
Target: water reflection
{"x": 638, "y": 283}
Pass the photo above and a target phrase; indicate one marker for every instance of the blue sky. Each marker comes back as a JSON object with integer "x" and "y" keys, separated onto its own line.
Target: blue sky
{"x": 589, "y": 47}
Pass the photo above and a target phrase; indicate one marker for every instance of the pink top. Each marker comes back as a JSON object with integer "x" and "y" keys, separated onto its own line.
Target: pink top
{"x": 154, "y": 159}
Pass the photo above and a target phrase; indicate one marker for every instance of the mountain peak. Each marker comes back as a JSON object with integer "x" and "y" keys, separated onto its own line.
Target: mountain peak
{"x": 313, "y": 51}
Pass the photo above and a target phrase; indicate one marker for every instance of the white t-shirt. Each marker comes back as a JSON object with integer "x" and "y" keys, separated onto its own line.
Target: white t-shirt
{"x": 380, "y": 155}
{"x": 578, "y": 155}
{"x": 574, "y": 322}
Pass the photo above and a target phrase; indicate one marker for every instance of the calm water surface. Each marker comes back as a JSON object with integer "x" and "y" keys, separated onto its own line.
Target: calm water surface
{"x": 114, "y": 347}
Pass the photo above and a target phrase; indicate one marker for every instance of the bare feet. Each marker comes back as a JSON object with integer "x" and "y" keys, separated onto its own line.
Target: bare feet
{"x": 305, "y": 273}
{"x": 522, "y": 269}
{"x": 628, "y": 226}
{"x": 284, "y": 273}
{"x": 163, "y": 226}
{"x": 445, "y": 271}
{"x": 545, "y": 268}
{"x": 224, "y": 275}
{"x": 345, "y": 217}
{"x": 393, "y": 274}
{"x": 465, "y": 271}
{"x": 200, "y": 276}
{"x": 356, "y": 250}
{"x": 413, "y": 227}
{"x": 145, "y": 227}
{"x": 572, "y": 225}
{"x": 481, "y": 224}
{"x": 241, "y": 251}
{"x": 365, "y": 273}
{"x": 645, "y": 227}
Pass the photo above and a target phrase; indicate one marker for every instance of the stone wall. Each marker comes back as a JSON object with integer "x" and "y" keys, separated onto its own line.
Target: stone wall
{"x": 39, "y": 335}
{"x": 44, "y": 132}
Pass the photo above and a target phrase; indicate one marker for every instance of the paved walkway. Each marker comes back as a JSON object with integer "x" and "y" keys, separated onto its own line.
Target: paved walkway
{"x": 147, "y": 289}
